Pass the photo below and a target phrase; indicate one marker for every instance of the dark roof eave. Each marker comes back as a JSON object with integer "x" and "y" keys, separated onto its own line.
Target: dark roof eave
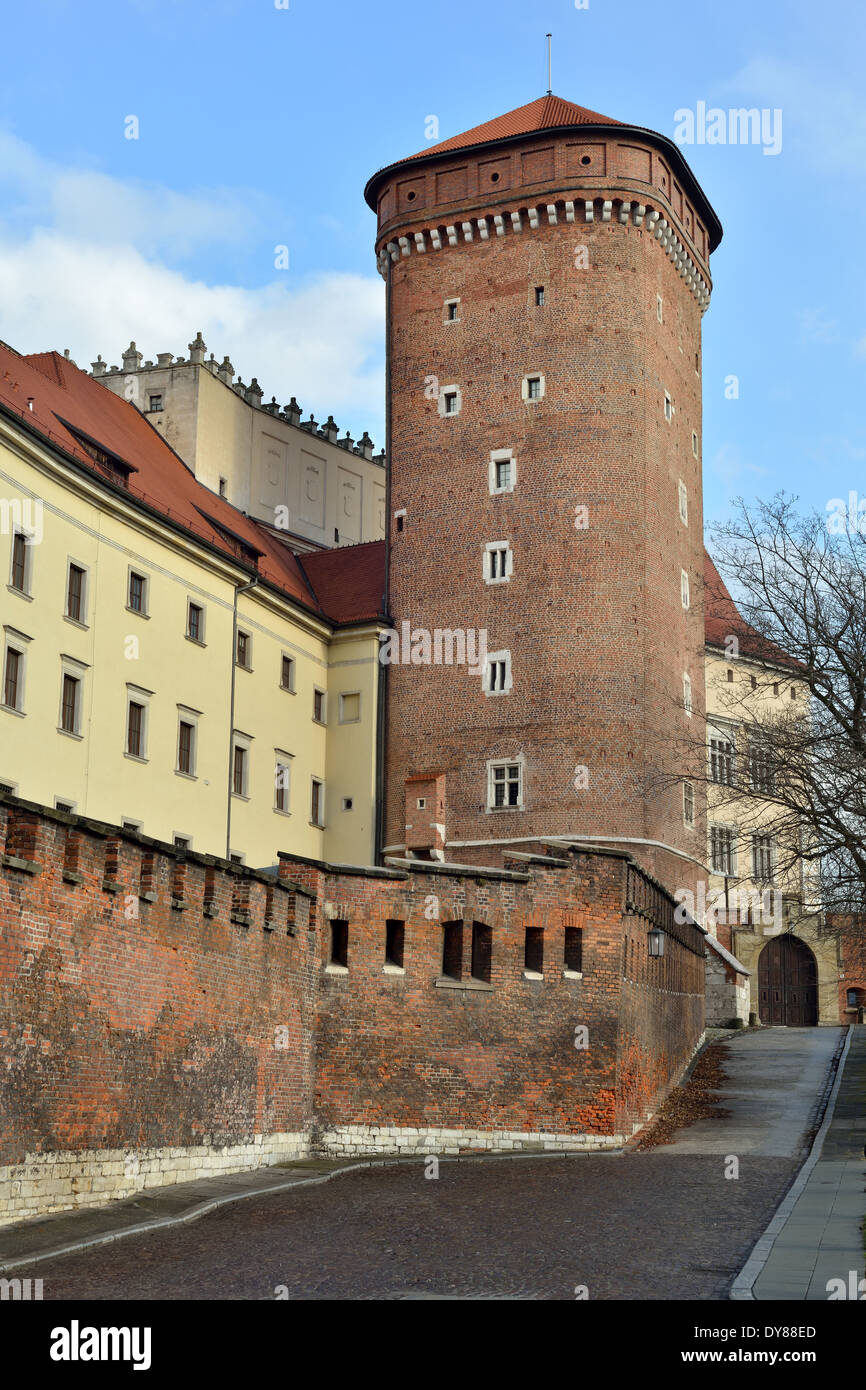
{"x": 594, "y": 128}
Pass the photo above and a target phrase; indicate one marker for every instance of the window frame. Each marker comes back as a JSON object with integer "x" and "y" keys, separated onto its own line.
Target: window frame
{"x": 84, "y": 571}
{"x": 498, "y": 456}
{"x": 200, "y": 609}
{"x": 689, "y": 805}
{"x": 16, "y": 646}
{"x": 283, "y": 762}
{"x": 500, "y": 658}
{"x": 497, "y": 548}
{"x": 718, "y": 829}
{"x": 493, "y": 764}
{"x": 342, "y": 697}
{"x": 136, "y": 696}
{"x": 144, "y": 610}
{"x": 290, "y": 688}
{"x": 25, "y": 588}
{"x": 247, "y": 663}
{"x": 73, "y": 670}
{"x": 190, "y": 717}
{"x": 525, "y": 395}
{"x": 323, "y": 720}
{"x": 683, "y": 497}
{"x": 320, "y": 783}
{"x": 445, "y": 393}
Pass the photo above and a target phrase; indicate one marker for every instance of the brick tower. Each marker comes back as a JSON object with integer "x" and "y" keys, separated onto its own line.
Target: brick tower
{"x": 547, "y": 273}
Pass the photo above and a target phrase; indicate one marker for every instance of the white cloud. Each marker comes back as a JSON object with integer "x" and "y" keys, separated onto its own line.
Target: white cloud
{"x": 727, "y": 463}
{"x": 85, "y": 264}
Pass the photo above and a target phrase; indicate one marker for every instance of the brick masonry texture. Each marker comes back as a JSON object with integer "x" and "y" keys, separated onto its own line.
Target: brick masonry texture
{"x": 167, "y": 1015}
{"x": 593, "y": 618}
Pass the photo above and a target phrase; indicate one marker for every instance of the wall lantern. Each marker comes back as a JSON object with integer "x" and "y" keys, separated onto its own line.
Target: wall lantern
{"x": 656, "y": 940}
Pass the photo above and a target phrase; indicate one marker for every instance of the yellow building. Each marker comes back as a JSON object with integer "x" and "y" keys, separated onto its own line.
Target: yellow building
{"x": 299, "y": 476}
{"x": 760, "y": 891}
{"x": 168, "y": 662}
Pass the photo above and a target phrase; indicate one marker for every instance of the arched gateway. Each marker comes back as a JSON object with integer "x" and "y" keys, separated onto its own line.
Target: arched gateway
{"x": 788, "y": 983}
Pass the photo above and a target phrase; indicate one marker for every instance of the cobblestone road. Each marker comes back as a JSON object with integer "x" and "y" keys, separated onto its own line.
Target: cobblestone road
{"x": 641, "y": 1226}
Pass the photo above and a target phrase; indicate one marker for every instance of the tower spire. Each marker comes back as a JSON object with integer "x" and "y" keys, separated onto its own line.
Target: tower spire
{"x": 549, "y": 67}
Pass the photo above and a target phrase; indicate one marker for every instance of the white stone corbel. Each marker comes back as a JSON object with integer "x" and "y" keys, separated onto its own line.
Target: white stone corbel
{"x": 452, "y": 235}
{"x": 516, "y": 222}
{"x": 405, "y": 248}
{"x": 638, "y": 214}
{"x": 393, "y": 250}
{"x": 420, "y": 243}
{"x": 533, "y": 217}
{"x": 483, "y": 229}
{"x": 589, "y": 208}
{"x": 569, "y": 212}
{"x": 551, "y": 214}
{"x": 499, "y": 224}
{"x": 651, "y": 219}
{"x": 467, "y": 231}
{"x": 624, "y": 210}
{"x": 661, "y": 228}
{"x": 436, "y": 238}
{"x": 606, "y": 209}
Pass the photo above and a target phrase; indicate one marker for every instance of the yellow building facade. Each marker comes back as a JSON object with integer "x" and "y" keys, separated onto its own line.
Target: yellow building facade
{"x": 153, "y": 678}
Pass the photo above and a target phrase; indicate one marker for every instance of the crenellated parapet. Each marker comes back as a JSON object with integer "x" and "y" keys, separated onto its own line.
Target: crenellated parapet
{"x": 527, "y": 219}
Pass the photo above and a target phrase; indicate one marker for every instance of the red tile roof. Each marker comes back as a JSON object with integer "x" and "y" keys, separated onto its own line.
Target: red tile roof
{"x": 722, "y": 620}
{"x": 74, "y": 412}
{"x": 349, "y": 581}
{"x": 544, "y": 114}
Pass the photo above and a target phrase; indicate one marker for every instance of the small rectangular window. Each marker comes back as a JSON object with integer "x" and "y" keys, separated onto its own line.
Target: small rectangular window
{"x": 11, "y": 679}
{"x": 340, "y": 943}
{"x": 182, "y": 842}
{"x": 134, "y": 728}
{"x": 75, "y": 592}
{"x": 281, "y": 786}
{"x": 137, "y": 592}
{"x": 223, "y": 487}
{"x": 684, "y": 588}
{"x": 687, "y": 693}
{"x": 482, "y": 951}
{"x": 394, "y": 940}
{"x": 497, "y": 671}
{"x": 539, "y": 295}
{"x": 695, "y": 443}
{"x": 533, "y": 950}
{"x": 498, "y": 563}
{"x": 506, "y": 785}
{"x": 722, "y": 849}
{"x": 287, "y": 673}
{"x": 669, "y": 408}
{"x": 19, "y": 562}
{"x": 195, "y": 622}
{"x": 317, "y": 803}
{"x": 659, "y": 308}
{"x": 502, "y": 469}
{"x": 452, "y": 950}
{"x": 185, "y": 737}
{"x": 244, "y": 648}
{"x": 70, "y": 704}
{"x": 451, "y": 310}
{"x": 722, "y": 760}
{"x": 319, "y": 706}
{"x": 573, "y": 954}
{"x": 156, "y": 402}
{"x": 239, "y": 771}
{"x": 761, "y": 767}
{"x": 762, "y": 858}
{"x": 688, "y": 803}
{"x": 533, "y": 388}
{"x": 450, "y": 402}
{"x": 684, "y": 503}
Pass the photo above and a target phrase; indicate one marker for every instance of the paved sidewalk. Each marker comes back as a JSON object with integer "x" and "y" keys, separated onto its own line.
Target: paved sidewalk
{"x": 817, "y": 1235}
{"x": 24, "y": 1242}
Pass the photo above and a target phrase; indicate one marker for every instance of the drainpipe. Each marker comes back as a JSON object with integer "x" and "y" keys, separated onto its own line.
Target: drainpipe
{"x": 239, "y": 589}
{"x": 382, "y": 701}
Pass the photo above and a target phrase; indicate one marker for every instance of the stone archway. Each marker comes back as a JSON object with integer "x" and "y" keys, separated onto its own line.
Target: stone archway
{"x": 788, "y": 983}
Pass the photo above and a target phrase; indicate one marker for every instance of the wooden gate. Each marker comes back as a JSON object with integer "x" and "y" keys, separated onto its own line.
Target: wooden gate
{"x": 788, "y": 983}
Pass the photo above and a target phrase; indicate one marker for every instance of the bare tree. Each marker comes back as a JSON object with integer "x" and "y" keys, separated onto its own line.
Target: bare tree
{"x": 800, "y": 620}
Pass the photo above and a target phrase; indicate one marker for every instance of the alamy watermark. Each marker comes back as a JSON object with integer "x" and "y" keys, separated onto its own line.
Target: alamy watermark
{"x": 441, "y": 647}
{"x": 737, "y": 126}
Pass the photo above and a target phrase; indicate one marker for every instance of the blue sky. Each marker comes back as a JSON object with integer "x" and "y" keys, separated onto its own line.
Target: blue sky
{"x": 259, "y": 127}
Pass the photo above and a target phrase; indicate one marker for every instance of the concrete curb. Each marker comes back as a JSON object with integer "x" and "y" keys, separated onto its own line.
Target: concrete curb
{"x": 200, "y": 1209}
{"x": 743, "y": 1285}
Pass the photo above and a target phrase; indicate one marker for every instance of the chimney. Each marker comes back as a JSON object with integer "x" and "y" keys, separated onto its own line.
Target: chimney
{"x": 132, "y": 359}
{"x": 197, "y": 348}
{"x": 164, "y": 359}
